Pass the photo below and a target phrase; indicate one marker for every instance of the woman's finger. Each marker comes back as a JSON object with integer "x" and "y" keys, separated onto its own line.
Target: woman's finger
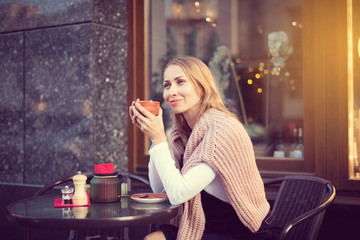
{"x": 143, "y": 111}
{"x": 131, "y": 112}
{"x": 137, "y": 114}
{"x": 160, "y": 113}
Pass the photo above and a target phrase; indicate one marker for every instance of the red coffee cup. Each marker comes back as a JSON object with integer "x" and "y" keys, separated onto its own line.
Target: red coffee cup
{"x": 151, "y": 106}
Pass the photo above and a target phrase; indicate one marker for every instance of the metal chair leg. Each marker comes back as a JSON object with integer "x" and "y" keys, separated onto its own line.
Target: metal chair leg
{"x": 152, "y": 228}
{"x": 125, "y": 234}
{"x": 27, "y": 233}
{"x": 71, "y": 235}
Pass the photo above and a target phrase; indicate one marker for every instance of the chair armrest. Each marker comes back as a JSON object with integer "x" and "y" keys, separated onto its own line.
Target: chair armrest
{"x": 271, "y": 181}
{"x": 140, "y": 179}
{"x": 311, "y": 213}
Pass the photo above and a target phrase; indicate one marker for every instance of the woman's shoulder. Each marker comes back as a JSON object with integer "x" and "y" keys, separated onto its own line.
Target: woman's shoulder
{"x": 225, "y": 125}
{"x": 215, "y": 121}
{"x": 219, "y": 118}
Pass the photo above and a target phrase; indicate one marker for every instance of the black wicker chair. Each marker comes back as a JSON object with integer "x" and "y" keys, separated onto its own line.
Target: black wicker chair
{"x": 300, "y": 205}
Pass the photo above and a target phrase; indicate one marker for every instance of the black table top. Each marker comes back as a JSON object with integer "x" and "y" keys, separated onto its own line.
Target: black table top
{"x": 40, "y": 212}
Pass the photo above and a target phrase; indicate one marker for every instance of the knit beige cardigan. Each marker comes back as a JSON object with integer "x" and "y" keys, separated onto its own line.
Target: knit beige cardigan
{"x": 223, "y": 143}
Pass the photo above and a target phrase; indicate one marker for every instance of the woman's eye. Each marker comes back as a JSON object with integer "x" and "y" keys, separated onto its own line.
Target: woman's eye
{"x": 166, "y": 85}
{"x": 180, "y": 81}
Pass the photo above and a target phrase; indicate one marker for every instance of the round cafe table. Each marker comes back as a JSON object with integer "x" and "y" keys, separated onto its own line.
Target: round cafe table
{"x": 40, "y": 212}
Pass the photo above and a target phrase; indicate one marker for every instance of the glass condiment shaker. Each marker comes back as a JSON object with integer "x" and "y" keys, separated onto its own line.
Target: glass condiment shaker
{"x": 66, "y": 195}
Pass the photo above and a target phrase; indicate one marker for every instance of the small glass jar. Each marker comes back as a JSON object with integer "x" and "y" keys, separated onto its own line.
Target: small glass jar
{"x": 66, "y": 195}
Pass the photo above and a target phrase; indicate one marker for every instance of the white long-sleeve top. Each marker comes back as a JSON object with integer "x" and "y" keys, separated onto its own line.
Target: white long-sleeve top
{"x": 164, "y": 176}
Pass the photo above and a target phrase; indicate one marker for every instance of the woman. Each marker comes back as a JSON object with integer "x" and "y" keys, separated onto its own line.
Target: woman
{"x": 208, "y": 164}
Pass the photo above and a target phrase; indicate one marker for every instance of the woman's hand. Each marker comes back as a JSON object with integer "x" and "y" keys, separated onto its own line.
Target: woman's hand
{"x": 148, "y": 123}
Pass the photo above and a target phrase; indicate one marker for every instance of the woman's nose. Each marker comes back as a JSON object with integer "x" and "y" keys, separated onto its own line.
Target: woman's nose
{"x": 173, "y": 91}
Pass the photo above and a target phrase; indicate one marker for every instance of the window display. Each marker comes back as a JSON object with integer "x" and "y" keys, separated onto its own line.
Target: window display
{"x": 254, "y": 50}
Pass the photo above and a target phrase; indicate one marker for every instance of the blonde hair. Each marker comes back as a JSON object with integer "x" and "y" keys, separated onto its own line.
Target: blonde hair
{"x": 201, "y": 78}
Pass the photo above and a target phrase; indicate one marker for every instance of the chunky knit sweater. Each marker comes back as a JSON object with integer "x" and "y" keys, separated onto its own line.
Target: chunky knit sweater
{"x": 222, "y": 142}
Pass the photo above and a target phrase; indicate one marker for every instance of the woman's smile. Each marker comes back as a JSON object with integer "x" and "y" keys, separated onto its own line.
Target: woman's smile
{"x": 173, "y": 102}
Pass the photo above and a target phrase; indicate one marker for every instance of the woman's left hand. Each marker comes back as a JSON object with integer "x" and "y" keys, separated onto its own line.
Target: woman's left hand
{"x": 148, "y": 123}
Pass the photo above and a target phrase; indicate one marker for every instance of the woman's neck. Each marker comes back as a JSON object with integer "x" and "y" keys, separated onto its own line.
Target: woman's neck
{"x": 191, "y": 116}
{"x": 191, "y": 120}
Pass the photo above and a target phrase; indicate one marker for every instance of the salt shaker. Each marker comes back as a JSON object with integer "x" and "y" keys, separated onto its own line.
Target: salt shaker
{"x": 66, "y": 195}
{"x": 80, "y": 197}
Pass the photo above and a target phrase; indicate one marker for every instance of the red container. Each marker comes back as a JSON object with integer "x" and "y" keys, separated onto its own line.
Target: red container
{"x": 151, "y": 106}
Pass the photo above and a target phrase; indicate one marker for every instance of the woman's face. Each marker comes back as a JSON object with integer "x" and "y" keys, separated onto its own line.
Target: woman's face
{"x": 180, "y": 93}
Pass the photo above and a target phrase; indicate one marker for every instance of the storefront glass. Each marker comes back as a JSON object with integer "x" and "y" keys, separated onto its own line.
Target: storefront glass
{"x": 254, "y": 50}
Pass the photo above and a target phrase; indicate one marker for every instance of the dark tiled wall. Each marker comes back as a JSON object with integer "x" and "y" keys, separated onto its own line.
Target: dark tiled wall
{"x": 63, "y": 88}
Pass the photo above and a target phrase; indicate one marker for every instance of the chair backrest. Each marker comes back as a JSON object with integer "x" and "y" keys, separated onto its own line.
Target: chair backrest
{"x": 300, "y": 205}
{"x": 128, "y": 178}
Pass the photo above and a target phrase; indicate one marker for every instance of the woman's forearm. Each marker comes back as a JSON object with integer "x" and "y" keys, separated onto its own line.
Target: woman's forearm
{"x": 179, "y": 188}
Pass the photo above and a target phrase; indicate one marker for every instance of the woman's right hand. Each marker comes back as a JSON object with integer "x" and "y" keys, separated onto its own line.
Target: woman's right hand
{"x": 148, "y": 123}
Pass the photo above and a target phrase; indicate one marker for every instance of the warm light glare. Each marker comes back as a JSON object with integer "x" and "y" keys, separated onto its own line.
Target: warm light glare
{"x": 208, "y": 19}
{"x": 250, "y": 69}
{"x": 259, "y": 90}
{"x": 197, "y": 10}
{"x": 296, "y": 24}
{"x": 249, "y": 81}
{"x": 213, "y": 25}
{"x": 351, "y": 130}
{"x": 266, "y": 71}
{"x": 350, "y": 76}
{"x": 238, "y": 60}
{"x": 261, "y": 64}
{"x": 261, "y": 69}
{"x": 257, "y": 76}
{"x": 197, "y": 4}
{"x": 259, "y": 29}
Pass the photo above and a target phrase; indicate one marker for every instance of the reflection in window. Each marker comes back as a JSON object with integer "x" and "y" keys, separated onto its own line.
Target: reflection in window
{"x": 254, "y": 50}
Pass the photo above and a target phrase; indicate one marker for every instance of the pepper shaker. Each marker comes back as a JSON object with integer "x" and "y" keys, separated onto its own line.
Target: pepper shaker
{"x": 80, "y": 197}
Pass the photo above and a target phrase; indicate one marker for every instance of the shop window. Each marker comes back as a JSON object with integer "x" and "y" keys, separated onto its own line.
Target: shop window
{"x": 254, "y": 50}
